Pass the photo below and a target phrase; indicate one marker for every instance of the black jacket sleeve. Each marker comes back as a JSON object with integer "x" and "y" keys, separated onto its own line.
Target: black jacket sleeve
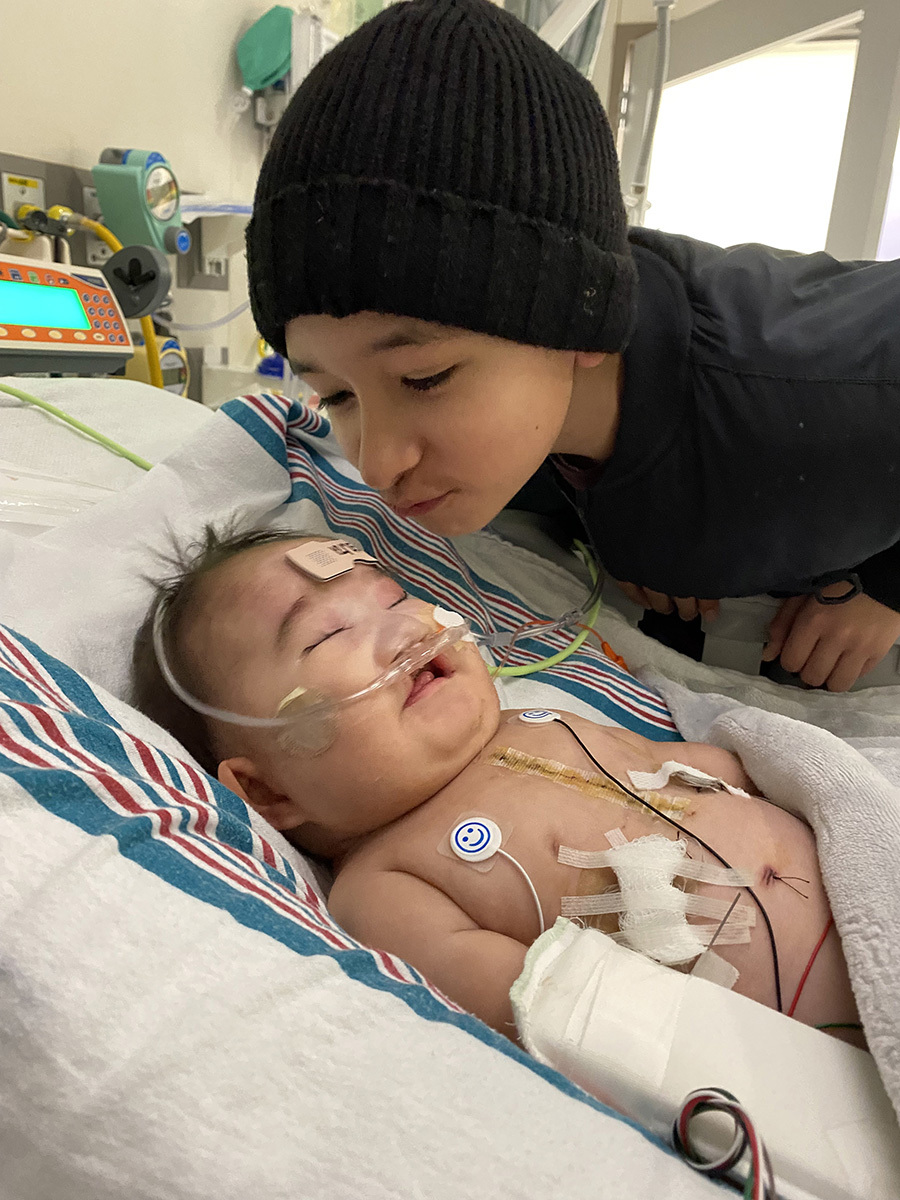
{"x": 880, "y": 576}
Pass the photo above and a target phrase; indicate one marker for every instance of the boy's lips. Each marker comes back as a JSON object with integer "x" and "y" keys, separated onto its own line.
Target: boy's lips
{"x": 421, "y": 507}
{"x": 427, "y": 678}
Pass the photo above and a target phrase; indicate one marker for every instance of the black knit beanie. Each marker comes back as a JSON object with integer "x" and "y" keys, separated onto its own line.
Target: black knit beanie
{"x": 442, "y": 162}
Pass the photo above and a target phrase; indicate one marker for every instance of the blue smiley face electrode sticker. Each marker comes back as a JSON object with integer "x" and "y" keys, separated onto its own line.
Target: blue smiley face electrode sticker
{"x": 476, "y": 839}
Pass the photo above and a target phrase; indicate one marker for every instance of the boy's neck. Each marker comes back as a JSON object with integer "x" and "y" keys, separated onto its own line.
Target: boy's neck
{"x": 592, "y": 421}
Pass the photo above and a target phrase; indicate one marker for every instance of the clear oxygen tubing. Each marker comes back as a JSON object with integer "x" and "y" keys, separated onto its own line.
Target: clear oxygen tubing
{"x": 310, "y": 704}
{"x": 586, "y": 615}
{"x": 311, "y": 709}
{"x": 635, "y": 201}
{"x": 180, "y": 327}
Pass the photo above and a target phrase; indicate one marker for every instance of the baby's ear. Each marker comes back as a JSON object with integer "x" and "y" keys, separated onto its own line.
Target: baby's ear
{"x": 242, "y": 776}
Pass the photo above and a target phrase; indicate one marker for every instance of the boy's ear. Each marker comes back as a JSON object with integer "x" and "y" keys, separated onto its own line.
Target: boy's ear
{"x": 242, "y": 776}
{"x": 589, "y": 358}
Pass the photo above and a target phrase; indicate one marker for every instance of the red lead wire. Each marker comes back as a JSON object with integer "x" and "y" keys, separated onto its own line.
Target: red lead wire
{"x": 809, "y": 966}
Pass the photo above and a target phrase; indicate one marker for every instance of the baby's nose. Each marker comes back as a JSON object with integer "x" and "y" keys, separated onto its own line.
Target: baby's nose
{"x": 400, "y": 636}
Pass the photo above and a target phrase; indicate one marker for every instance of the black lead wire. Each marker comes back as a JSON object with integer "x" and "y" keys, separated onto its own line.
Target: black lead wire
{"x": 708, "y": 848}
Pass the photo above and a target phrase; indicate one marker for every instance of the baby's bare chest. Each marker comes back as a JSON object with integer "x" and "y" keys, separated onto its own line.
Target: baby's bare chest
{"x": 542, "y": 793}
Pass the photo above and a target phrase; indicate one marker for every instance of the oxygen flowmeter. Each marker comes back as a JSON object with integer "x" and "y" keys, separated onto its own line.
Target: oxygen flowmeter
{"x": 140, "y": 199}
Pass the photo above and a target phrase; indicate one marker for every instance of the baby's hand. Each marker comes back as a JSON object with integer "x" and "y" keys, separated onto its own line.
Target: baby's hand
{"x": 688, "y": 607}
{"x": 831, "y": 645}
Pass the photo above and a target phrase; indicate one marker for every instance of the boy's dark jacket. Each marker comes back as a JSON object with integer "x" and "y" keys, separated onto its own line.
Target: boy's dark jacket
{"x": 759, "y": 444}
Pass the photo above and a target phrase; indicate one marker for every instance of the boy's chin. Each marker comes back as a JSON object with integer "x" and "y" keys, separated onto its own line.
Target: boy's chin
{"x": 455, "y": 519}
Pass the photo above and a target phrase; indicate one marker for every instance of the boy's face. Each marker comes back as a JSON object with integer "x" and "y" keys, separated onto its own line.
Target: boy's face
{"x": 448, "y": 425}
{"x": 261, "y": 629}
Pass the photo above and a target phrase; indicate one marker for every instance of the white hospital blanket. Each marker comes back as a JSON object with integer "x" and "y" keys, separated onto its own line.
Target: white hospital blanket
{"x": 850, "y": 795}
{"x": 146, "y": 420}
{"x": 869, "y": 712}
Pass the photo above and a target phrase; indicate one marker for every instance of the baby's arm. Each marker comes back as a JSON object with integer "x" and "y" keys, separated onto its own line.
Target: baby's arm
{"x": 404, "y": 915}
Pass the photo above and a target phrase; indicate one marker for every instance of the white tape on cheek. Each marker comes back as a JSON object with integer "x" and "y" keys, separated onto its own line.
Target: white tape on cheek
{"x": 450, "y": 619}
{"x": 677, "y": 772}
{"x": 447, "y": 618}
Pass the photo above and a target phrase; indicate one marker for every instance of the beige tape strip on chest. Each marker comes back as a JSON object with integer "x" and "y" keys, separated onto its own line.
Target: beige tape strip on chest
{"x": 597, "y": 787}
{"x": 652, "y": 910}
{"x": 676, "y": 772}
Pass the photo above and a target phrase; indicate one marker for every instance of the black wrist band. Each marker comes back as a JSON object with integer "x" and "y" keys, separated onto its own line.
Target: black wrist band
{"x": 854, "y": 589}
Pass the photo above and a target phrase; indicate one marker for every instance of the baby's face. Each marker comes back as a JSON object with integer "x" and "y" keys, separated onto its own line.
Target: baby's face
{"x": 263, "y": 629}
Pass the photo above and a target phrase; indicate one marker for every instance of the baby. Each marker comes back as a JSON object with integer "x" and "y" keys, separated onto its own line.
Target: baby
{"x": 411, "y": 776}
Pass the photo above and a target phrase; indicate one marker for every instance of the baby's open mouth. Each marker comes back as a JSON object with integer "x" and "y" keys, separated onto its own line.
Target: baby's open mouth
{"x": 424, "y": 679}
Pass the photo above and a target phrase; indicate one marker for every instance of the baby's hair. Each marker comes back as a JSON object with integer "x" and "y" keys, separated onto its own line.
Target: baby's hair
{"x": 188, "y": 565}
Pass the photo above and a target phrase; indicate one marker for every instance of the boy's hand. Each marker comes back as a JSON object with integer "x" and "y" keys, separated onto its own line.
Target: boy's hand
{"x": 688, "y": 607}
{"x": 831, "y": 645}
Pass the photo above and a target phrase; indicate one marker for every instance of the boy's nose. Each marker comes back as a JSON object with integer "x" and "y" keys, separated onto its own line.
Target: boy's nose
{"x": 385, "y": 451}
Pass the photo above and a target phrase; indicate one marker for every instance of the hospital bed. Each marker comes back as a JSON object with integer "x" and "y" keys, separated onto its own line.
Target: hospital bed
{"x": 183, "y": 1018}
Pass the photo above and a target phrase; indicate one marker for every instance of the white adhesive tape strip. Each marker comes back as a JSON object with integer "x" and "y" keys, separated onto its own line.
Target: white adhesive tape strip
{"x": 739, "y": 935}
{"x": 704, "y": 872}
{"x": 713, "y": 967}
{"x": 584, "y": 858}
{"x": 651, "y": 901}
{"x": 688, "y": 868}
{"x": 727, "y": 936}
{"x": 677, "y": 772}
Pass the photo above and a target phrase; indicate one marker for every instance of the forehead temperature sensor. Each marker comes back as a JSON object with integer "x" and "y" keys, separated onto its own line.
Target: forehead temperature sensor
{"x": 328, "y": 560}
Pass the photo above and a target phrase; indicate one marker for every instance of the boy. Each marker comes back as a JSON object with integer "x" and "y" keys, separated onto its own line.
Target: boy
{"x": 401, "y": 770}
{"x": 439, "y": 245}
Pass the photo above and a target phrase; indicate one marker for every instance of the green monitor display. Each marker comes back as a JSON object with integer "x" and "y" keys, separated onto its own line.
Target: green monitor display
{"x": 37, "y": 304}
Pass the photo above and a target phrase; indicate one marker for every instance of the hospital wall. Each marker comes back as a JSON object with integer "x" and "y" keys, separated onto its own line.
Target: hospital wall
{"x": 158, "y": 76}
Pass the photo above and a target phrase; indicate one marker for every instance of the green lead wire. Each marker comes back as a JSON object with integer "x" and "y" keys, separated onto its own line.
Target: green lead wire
{"x": 546, "y": 663}
{"x": 79, "y": 425}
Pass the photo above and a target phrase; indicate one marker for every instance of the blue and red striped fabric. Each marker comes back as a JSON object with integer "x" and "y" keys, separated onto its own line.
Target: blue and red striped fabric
{"x": 61, "y": 745}
{"x": 70, "y": 754}
{"x": 298, "y": 438}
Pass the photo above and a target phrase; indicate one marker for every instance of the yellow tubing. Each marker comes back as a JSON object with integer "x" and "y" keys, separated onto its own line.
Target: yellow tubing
{"x": 153, "y": 364}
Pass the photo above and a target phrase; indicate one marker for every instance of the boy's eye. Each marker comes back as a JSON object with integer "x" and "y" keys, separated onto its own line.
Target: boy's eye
{"x": 427, "y": 382}
{"x": 336, "y": 400}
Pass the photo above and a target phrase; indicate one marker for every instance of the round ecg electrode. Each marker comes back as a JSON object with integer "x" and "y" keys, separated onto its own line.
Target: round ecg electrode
{"x": 475, "y": 840}
{"x": 538, "y": 716}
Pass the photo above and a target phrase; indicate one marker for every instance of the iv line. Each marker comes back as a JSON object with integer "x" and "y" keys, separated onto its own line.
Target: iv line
{"x": 79, "y": 425}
